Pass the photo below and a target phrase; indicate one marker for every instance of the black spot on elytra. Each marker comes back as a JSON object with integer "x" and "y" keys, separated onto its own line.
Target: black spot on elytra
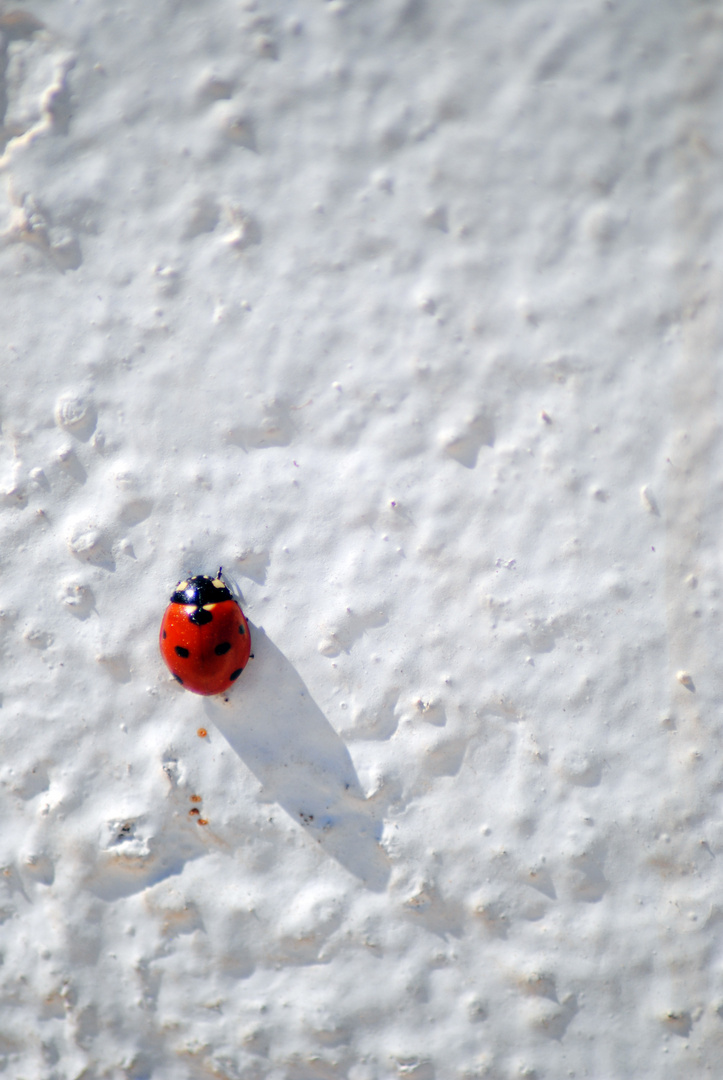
{"x": 181, "y": 651}
{"x": 241, "y": 630}
{"x": 178, "y": 678}
{"x": 235, "y": 674}
{"x": 222, "y": 648}
{"x": 165, "y": 635}
{"x": 201, "y": 617}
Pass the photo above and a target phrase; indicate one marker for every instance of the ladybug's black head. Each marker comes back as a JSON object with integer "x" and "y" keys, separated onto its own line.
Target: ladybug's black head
{"x": 200, "y": 591}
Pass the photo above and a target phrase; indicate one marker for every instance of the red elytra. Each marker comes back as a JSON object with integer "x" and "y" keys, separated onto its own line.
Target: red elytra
{"x": 204, "y": 639}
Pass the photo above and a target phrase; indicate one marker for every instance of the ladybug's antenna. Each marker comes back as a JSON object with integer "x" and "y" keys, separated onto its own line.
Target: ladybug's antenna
{"x": 218, "y": 575}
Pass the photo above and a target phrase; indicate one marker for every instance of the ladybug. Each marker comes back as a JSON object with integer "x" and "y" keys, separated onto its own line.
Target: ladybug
{"x": 205, "y": 638}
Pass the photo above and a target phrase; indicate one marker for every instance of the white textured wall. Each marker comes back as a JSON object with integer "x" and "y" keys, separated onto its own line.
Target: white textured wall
{"x": 406, "y": 312}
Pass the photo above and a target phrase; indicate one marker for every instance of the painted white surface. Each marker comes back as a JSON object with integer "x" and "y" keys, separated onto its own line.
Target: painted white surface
{"x": 407, "y": 314}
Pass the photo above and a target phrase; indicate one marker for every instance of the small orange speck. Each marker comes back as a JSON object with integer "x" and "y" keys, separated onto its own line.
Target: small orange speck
{"x": 202, "y": 821}
{"x": 19, "y": 24}
{"x": 202, "y": 733}
{"x": 195, "y": 798}
{"x": 194, "y": 810}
